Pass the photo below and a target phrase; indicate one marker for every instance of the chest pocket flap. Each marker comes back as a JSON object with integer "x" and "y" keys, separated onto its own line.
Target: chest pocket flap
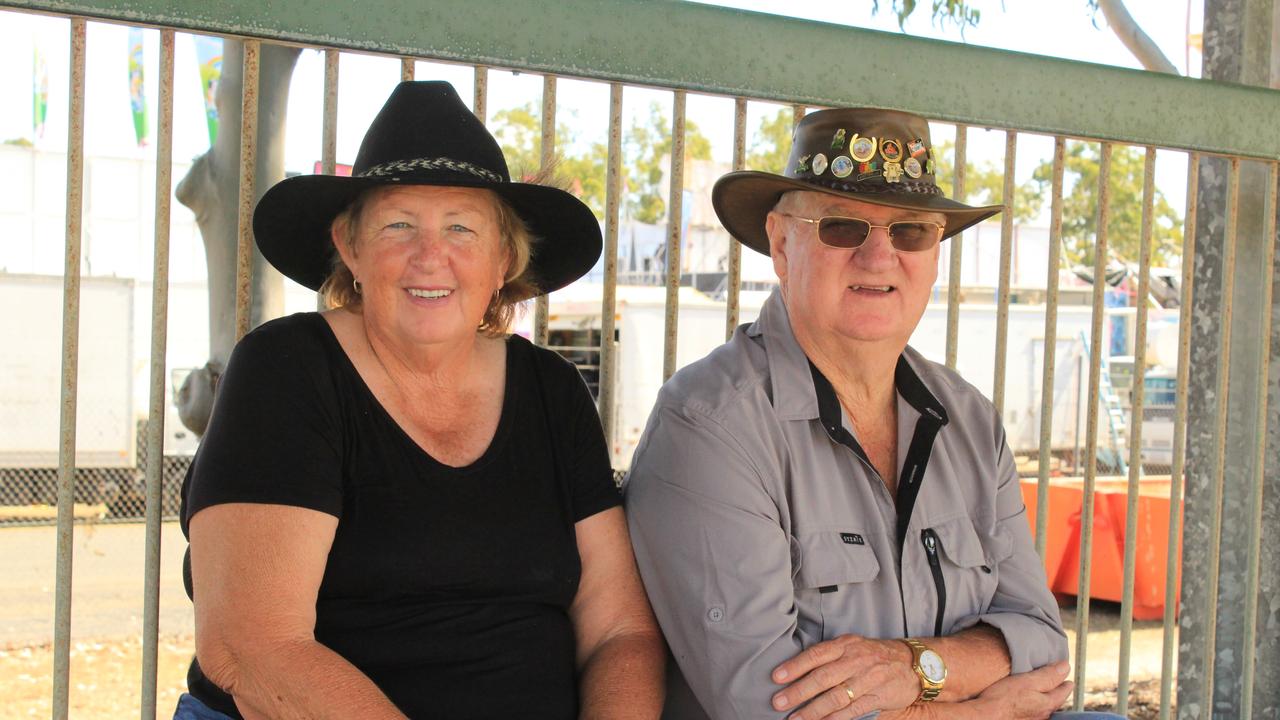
{"x": 962, "y": 545}
{"x": 835, "y": 557}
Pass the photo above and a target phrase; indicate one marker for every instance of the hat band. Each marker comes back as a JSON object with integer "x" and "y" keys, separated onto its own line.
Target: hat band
{"x": 869, "y": 188}
{"x": 442, "y": 163}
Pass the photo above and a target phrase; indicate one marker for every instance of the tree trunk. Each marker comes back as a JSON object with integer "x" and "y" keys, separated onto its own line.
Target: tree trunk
{"x": 211, "y": 190}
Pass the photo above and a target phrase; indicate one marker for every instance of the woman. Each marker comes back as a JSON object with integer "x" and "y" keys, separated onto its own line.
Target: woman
{"x": 398, "y": 510}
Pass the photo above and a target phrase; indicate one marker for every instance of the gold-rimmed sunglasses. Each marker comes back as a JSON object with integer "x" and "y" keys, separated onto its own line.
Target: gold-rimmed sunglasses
{"x": 847, "y": 233}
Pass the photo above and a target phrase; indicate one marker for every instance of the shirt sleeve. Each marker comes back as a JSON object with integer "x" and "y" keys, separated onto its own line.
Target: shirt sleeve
{"x": 1023, "y": 608}
{"x": 594, "y": 489}
{"x": 274, "y": 436}
{"x": 715, "y": 562}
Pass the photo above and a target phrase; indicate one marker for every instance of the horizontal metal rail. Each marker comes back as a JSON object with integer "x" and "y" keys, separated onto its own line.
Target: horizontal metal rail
{"x": 743, "y": 54}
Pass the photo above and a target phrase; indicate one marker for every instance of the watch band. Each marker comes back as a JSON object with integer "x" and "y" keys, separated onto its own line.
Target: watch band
{"x": 929, "y": 690}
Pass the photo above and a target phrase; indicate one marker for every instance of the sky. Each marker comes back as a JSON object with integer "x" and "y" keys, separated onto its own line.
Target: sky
{"x": 1061, "y": 28}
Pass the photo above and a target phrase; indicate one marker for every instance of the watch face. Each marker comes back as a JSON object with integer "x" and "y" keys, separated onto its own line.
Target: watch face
{"x": 933, "y": 667}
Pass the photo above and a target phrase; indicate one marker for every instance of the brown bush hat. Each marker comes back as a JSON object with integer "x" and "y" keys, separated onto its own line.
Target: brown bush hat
{"x": 882, "y": 157}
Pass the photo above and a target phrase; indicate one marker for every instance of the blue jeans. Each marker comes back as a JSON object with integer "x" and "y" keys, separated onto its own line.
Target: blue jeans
{"x": 190, "y": 708}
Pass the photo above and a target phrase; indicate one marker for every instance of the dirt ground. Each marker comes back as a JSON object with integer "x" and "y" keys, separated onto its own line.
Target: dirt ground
{"x": 106, "y": 653}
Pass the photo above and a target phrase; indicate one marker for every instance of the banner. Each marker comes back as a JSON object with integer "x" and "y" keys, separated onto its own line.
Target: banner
{"x": 137, "y": 96}
{"x": 209, "y": 57}
{"x": 40, "y": 94}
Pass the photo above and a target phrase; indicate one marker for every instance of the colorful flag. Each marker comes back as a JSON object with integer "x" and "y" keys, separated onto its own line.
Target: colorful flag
{"x": 137, "y": 97}
{"x": 209, "y": 56}
{"x": 40, "y": 94}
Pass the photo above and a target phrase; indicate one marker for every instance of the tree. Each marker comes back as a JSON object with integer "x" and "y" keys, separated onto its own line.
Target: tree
{"x": 646, "y": 147}
{"x": 772, "y": 143}
{"x": 1124, "y": 229}
{"x": 984, "y": 184}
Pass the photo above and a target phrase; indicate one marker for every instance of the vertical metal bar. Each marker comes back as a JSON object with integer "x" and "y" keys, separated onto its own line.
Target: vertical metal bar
{"x": 407, "y": 68}
{"x": 1091, "y": 426}
{"x": 609, "y": 299}
{"x": 1136, "y": 406}
{"x": 1174, "y": 540}
{"x": 733, "y": 280}
{"x": 797, "y": 114}
{"x": 70, "y": 371}
{"x": 675, "y": 207}
{"x": 480, "y": 99}
{"x": 1050, "y": 346}
{"x": 155, "y": 413}
{"x": 1260, "y": 459}
{"x": 1006, "y": 261}
{"x": 953, "y": 275}
{"x": 248, "y": 162}
{"x": 329, "y": 127}
{"x": 542, "y": 306}
{"x": 1220, "y": 440}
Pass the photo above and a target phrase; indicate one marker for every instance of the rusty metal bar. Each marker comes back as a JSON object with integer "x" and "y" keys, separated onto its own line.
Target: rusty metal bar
{"x": 542, "y": 306}
{"x": 1050, "y": 346}
{"x": 480, "y": 99}
{"x": 407, "y": 68}
{"x": 1006, "y": 261}
{"x": 675, "y": 206}
{"x": 1260, "y": 459}
{"x": 329, "y": 127}
{"x": 797, "y": 114}
{"x": 1220, "y": 440}
{"x": 733, "y": 280}
{"x": 155, "y": 413}
{"x": 953, "y": 275}
{"x": 1137, "y": 402}
{"x": 1091, "y": 432}
{"x": 1176, "y": 478}
{"x": 609, "y": 297}
{"x": 248, "y": 182}
{"x": 70, "y": 376}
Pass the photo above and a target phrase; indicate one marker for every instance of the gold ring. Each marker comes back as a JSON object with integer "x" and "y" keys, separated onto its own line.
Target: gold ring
{"x": 848, "y": 692}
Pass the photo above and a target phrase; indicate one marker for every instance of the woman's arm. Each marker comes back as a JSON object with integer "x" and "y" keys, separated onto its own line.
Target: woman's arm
{"x": 621, "y": 656}
{"x": 256, "y": 571}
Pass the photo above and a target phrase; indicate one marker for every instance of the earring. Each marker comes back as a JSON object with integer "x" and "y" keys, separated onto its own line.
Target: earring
{"x": 355, "y": 285}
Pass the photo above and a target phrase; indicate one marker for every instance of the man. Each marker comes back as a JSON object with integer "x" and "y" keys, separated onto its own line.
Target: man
{"x": 829, "y": 525}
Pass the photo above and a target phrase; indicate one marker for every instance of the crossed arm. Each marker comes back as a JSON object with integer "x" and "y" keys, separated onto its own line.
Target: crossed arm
{"x": 256, "y": 572}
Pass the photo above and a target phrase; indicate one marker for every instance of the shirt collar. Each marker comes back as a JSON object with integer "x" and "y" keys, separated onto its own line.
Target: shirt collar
{"x": 800, "y": 392}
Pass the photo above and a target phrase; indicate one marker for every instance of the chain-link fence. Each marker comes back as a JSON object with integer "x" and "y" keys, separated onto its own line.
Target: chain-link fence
{"x": 29, "y": 495}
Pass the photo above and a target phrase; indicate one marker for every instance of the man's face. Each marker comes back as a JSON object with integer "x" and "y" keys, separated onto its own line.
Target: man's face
{"x": 872, "y": 293}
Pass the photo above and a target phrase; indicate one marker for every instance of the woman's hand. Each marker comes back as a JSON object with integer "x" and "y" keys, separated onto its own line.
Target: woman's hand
{"x": 847, "y": 677}
{"x": 1027, "y": 696}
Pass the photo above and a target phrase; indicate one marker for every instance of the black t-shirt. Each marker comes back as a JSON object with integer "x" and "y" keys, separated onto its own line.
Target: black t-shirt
{"x": 448, "y": 587}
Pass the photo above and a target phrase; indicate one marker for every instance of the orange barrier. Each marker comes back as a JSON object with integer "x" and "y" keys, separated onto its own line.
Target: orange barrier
{"x": 1062, "y": 548}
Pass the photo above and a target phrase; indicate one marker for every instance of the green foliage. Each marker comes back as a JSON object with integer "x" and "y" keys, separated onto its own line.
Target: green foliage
{"x": 1124, "y": 228}
{"x": 646, "y": 144}
{"x": 984, "y": 184}
{"x": 960, "y": 12}
{"x": 772, "y": 143}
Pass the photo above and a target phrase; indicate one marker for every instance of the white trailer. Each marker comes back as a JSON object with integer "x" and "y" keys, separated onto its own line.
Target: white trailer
{"x": 640, "y": 326}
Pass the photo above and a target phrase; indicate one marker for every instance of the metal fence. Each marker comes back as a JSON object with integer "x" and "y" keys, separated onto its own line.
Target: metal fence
{"x": 698, "y": 49}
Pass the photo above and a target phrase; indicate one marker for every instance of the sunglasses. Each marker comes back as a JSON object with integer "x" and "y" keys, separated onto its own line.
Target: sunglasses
{"x": 846, "y": 233}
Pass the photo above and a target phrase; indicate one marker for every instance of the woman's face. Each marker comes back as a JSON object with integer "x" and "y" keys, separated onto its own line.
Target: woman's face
{"x": 429, "y": 260}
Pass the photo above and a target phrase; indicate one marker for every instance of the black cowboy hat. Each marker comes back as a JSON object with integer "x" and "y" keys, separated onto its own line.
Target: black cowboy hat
{"x": 424, "y": 135}
{"x": 882, "y": 157}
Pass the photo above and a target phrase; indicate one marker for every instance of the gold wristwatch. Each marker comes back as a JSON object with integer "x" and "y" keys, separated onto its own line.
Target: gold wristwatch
{"x": 929, "y": 667}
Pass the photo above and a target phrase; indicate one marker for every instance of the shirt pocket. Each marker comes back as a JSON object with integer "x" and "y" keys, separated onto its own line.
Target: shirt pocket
{"x": 970, "y": 565}
{"x": 836, "y": 568}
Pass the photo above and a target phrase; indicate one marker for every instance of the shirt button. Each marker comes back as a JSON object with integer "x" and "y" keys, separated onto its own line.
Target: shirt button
{"x": 715, "y": 614}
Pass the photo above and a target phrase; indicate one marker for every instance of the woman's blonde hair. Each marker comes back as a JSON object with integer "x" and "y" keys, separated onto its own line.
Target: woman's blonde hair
{"x": 339, "y": 289}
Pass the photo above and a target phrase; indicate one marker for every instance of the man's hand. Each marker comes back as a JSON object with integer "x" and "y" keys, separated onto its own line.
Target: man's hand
{"x": 847, "y": 677}
{"x": 1027, "y": 696}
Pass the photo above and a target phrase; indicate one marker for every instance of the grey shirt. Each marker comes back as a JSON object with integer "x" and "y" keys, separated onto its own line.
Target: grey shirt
{"x": 760, "y": 528}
